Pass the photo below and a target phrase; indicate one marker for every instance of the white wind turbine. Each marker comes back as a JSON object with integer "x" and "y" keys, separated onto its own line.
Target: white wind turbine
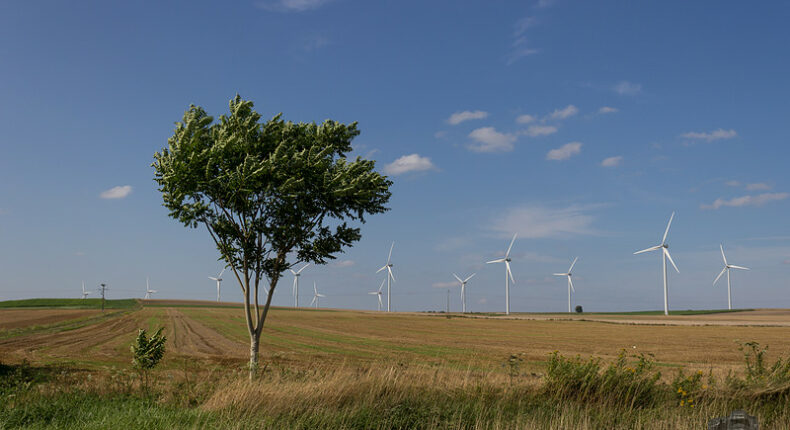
{"x": 508, "y": 274}
{"x": 664, "y": 247}
{"x": 727, "y": 267}
{"x": 315, "y": 296}
{"x": 219, "y": 281}
{"x": 463, "y": 290}
{"x": 378, "y": 294}
{"x": 570, "y": 283}
{"x": 296, "y": 284}
{"x": 84, "y": 293}
{"x": 390, "y": 276}
{"x": 148, "y": 290}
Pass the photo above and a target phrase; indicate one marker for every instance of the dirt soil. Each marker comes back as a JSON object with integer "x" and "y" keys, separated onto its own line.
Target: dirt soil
{"x": 19, "y": 318}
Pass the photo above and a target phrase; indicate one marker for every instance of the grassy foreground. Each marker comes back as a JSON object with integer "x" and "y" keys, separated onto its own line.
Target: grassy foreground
{"x": 573, "y": 393}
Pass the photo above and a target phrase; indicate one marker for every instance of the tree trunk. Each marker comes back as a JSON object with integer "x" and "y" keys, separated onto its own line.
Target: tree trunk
{"x": 254, "y": 342}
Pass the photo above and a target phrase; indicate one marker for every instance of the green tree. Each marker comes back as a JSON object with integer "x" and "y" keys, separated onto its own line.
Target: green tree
{"x": 270, "y": 193}
{"x": 147, "y": 352}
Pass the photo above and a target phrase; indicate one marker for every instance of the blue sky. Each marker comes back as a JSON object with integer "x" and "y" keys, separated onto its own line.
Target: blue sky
{"x": 580, "y": 125}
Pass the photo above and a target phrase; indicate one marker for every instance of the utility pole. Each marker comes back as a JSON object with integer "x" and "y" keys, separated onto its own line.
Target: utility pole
{"x": 448, "y": 300}
{"x": 102, "y": 287}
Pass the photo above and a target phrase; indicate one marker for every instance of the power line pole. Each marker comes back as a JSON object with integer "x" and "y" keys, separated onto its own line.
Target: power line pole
{"x": 103, "y": 287}
{"x": 448, "y": 300}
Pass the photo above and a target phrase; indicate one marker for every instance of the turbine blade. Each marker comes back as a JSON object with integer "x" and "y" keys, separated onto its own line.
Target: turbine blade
{"x": 292, "y": 271}
{"x": 666, "y": 232}
{"x": 377, "y": 271}
{"x": 459, "y": 279}
{"x": 495, "y": 261}
{"x": 389, "y": 257}
{"x": 375, "y": 293}
{"x": 382, "y": 285}
{"x": 571, "y": 284}
{"x": 652, "y": 248}
{"x": 470, "y": 277}
{"x": 220, "y": 273}
{"x": 313, "y": 302}
{"x": 315, "y": 290}
{"x": 666, "y": 252}
{"x": 560, "y": 274}
{"x": 507, "y": 254}
{"x": 507, "y": 266}
{"x": 573, "y": 264}
{"x": 380, "y": 302}
{"x": 720, "y": 275}
{"x": 739, "y": 267}
{"x": 722, "y": 254}
{"x": 389, "y": 269}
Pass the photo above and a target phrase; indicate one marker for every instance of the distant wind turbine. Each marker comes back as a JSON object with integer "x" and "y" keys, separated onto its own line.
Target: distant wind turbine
{"x": 296, "y": 284}
{"x": 508, "y": 274}
{"x": 315, "y": 296}
{"x": 664, "y": 247}
{"x": 378, "y": 294}
{"x": 148, "y": 290}
{"x": 463, "y": 290}
{"x": 84, "y": 293}
{"x": 570, "y": 283}
{"x": 219, "y": 281}
{"x": 390, "y": 276}
{"x": 727, "y": 267}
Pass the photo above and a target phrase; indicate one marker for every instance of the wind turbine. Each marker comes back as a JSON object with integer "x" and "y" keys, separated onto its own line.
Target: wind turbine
{"x": 727, "y": 267}
{"x": 378, "y": 294}
{"x": 296, "y": 284}
{"x": 508, "y": 274}
{"x": 219, "y": 281}
{"x": 315, "y": 296}
{"x": 148, "y": 290}
{"x": 463, "y": 290}
{"x": 664, "y": 247}
{"x": 390, "y": 276}
{"x": 84, "y": 293}
{"x": 570, "y": 283}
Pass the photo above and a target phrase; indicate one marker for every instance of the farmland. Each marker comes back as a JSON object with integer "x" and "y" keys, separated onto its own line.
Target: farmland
{"x": 373, "y": 351}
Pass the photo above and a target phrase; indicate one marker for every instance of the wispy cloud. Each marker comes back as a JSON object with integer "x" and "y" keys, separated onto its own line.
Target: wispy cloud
{"x": 315, "y": 43}
{"x": 710, "y": 136}
{"x": 612, "y": 161}
{"x": 118, "y": 192}
{"x": 625, "y": 88}
{"x": 759, "y": 186}
{"x": 539, "y": 130}
{"x": 565, "y": 152}
{"x": 525, "y": 119}
{"x": 409, "y": 163}
{"x": 756, "y": 200}
{"x": 566, "y": 112}
{"x": 291, "y": 5}
{"x": 733, "y": 183}
{"x": 536, "y": 221}
{"x": 607, "y": 109}
{"x": 448, "y": 284}
{"x": 344, "y": 263}
{"x": 466, "y": 115}
{"x": 487, "y": 139}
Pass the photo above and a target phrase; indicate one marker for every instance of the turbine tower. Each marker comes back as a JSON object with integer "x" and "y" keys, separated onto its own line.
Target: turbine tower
{"x": 727, "y": 267}
{"x": 463, "y": 290}
{"x": 219, "y": 281}
{"x": 570, "y": 283}
{"x": 148, "y": 290}
{"x": 508, "y": 274}
{"x": 390, "y": 277}
{"x": 378, "y": 294}
{"x": 664, "y": 247}
{"x": 315, "y": 296}
{"x": 84, "y": 293}
{"x": 296, "y": 284}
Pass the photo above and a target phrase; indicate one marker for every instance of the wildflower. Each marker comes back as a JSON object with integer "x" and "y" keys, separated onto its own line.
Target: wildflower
{"x": 682, "y": 403}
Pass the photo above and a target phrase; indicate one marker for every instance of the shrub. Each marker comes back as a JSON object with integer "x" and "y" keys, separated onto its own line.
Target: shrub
{"x": 579, "y": 309}
{"x": 147, "y": 352}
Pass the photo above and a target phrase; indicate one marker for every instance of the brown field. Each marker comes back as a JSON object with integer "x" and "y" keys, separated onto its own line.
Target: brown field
{"x": 300, "y": 337}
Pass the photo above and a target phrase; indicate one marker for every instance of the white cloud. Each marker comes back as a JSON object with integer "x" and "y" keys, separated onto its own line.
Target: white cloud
{"x": 732, "y": 183}
{"x": 787, "y": 261}
{"x": 525, "y": 119}
{"x": 544, "y": 3}
{"x": 710, "y": 136}
{"x": 566, "y": 112}
{"x": 487, "y": 139}
{"x": 625, "y": 88}
{"x": 612, "y": 161}
{"x": 607, "y": 109}
{"x": 757, "y": 200}
{"x": 444, "y": 284}
{"x": 539, "y": 130}
{"x": 344, "y": 263}
{"x": 409, "y": 163}
{"x": 466, "y": 115}
{"x": 315, "y": 43}
{"x": 532, "y": 222}
{"x": 291, "y": 5}
{"x": 565, "y": 152}
{"x": 118, "y": 192}
{"x": 759, "y": 186}
{"x": 440, "y": 134}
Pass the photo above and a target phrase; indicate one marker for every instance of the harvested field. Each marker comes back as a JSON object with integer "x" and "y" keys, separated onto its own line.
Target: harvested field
{"x": 20, "y": 318}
